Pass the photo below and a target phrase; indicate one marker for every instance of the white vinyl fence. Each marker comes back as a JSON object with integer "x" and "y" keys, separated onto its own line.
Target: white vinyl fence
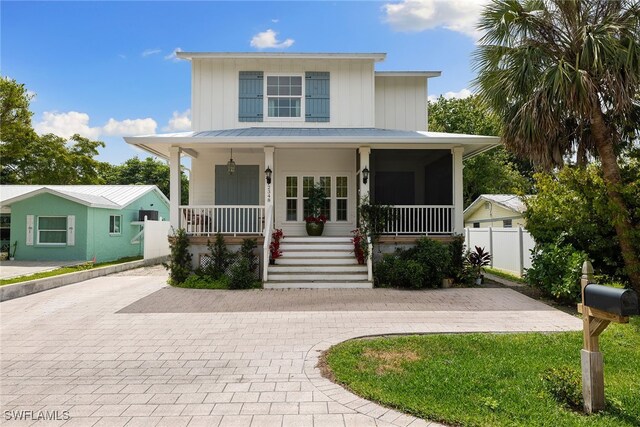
{"x": 156, "y": 242}
{"x": 510, "y": 248}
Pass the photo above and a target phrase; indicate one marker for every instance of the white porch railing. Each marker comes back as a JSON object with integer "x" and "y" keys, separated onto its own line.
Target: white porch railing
{"x": 419, "y": 219}
{"x": 208, "y": 220}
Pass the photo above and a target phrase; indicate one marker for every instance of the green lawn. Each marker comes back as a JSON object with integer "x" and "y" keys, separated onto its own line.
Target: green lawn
{"x": 489, "y": 379}
{"x": 65, "y": 270}
{"x": 504, "y": 275}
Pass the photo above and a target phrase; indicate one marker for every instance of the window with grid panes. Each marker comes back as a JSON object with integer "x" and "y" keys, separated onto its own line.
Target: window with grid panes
{"x": 325, "y": 182}
{"x": 342, "y": 192}
{"x": 284, "y": 96}
{"x": 292, "y": 198}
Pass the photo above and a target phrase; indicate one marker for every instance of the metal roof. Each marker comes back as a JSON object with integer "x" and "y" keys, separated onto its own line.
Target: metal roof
{"x": 309, "y": 137}
{"x": 100, "y": 196}
{"x": 270, "y": 132}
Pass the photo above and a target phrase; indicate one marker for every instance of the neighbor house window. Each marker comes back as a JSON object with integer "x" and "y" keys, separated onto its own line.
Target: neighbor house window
{"x": 506, "y": 223}
{"x": 52, "y": 230}
{"x": 284, "y": 96}
{"x": 114, "y": 224}
{"x": 476, "y": 225}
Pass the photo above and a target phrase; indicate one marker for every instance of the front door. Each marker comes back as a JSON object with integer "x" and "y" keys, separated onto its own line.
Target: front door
{"x": 238, "y": 189}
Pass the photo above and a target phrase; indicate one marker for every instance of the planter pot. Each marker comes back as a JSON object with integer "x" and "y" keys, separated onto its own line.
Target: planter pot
{"x": 12, "y": 259}
{"x": 315, "y": 229}
{"x": 479, "y": 280}
{"x": 447, "y": 283}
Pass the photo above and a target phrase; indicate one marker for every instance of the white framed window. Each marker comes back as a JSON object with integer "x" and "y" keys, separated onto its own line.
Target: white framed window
{"x": 336, "y": 205}
{"x": 115, "y": 225}
{"x": 507, "y": 223}
{"x": 292, "y": 198}
{"x": 342, "y": 197}
{"x": 284, "y": 97}
{"x": 52, "y": 230}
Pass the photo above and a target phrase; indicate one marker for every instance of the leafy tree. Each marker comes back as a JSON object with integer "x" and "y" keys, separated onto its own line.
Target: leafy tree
{"x": 27, "y": 158}
{"x": 148, "y": 171}
{"x": 494, "y": 172}
{"x": 563, "y": 77}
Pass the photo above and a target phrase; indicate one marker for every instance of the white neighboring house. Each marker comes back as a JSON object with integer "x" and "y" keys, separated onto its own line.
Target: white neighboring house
{"x": 495, "y": 210}
{"x": 288, "y": 120}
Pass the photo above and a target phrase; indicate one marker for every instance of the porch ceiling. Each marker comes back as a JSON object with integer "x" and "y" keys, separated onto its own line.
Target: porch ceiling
{"x": 256, "y": 137}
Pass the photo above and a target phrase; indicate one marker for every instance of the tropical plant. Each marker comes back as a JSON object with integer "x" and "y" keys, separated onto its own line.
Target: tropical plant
{"x": 564, "y": 78}
{"x": 360, "y": 245}
{"x": 316, "y": 197}
{"x": 477, "y": 259}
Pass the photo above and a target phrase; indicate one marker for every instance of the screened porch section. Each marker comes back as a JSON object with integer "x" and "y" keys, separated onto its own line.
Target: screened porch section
{"x": 418, "y": 186}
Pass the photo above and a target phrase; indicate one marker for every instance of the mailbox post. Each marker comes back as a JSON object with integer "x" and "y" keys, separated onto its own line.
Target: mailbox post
{"x": 600, "y": 306}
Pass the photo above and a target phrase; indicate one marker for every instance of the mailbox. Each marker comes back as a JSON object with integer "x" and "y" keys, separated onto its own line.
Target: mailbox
{"x": 623, "y": 302}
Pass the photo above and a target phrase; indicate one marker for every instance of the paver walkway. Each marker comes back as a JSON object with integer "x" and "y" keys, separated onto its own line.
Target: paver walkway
{"x": 75, "y": 349}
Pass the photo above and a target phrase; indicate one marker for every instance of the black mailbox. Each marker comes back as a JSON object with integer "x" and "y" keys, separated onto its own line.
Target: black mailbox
{"x": 623, "y": 302}
{"x": 151, "y": 215}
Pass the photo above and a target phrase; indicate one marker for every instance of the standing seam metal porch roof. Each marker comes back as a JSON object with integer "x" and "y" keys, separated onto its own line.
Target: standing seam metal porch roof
{"x": 158, "y": 144}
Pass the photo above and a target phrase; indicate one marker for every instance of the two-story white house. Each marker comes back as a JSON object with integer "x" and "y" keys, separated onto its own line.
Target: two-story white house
{"x": 267, "y": 126}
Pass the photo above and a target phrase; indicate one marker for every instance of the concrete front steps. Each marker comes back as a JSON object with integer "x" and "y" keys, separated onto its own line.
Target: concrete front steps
{"x": 317, "y": 263}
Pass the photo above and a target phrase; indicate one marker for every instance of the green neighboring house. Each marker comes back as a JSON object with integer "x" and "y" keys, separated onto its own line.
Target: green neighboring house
{"x": 78, "y": 222}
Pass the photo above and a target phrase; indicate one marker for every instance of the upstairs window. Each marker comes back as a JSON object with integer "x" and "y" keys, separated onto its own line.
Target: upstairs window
{"x": 284, "y": 96}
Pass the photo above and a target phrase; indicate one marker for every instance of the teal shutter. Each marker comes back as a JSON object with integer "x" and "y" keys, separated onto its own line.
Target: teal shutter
{"x": 317, "y": 97}
{"x": 250, "y": 101}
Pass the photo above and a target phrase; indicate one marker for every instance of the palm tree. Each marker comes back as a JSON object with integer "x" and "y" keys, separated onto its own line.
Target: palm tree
{"x": 564, "y": 76}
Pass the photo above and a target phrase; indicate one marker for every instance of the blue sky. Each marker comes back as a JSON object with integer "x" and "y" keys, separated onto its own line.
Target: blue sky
{"x": 106, "y": 69}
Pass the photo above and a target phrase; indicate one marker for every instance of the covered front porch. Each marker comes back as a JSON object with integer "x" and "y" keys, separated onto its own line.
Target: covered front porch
{"x": 418, "y": 174}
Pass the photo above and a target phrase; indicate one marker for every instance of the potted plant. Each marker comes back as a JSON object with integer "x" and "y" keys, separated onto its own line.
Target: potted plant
{"x": 274, "y": 247}
{"x": 315, "y": 201}
{"x": 477, "y": 260}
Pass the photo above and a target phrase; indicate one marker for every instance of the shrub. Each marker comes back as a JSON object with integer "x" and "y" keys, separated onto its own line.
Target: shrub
{"x": 241, "y": 277}
{"x": 564, "y": 384}
{"x": 179, "y": 264}
{"x": 220, "y": 258}
{"x": 556, "y": 271}
{"x": 199, "y": 281}
{"x": 423, "y": 266}
{"x": 247, "y": 251}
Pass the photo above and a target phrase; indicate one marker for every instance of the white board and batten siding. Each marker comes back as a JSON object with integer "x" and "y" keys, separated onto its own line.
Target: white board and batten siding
{"x": 215, "y": 91}
{"x": 401, "y": 102}
{"x": 510, "y": 248}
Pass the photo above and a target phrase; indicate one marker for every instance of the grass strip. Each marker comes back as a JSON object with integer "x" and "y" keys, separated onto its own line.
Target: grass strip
{"x": 489, "y": 379}
{"x": 65, "y": 270}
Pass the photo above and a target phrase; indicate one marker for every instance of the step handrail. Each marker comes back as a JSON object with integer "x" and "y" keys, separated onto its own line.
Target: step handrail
{"x": 268, "y": 224}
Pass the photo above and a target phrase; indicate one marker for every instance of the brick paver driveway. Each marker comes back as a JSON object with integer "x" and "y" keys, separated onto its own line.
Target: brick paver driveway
{"x": 120, "y": 350}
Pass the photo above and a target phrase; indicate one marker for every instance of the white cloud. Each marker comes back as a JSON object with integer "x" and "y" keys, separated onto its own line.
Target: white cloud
{"x": 129, "y": 127}
{"x": 267, "y": 40}
{"x": 275, "y": 21}
{"x": 150, "y": 52}
{"x": 179, "y": 122}
{"x": 418, "y": 15}
{"x": 66, "y": 124}
{"x": 463, "y": 93}
{"x": 173, "y": 55}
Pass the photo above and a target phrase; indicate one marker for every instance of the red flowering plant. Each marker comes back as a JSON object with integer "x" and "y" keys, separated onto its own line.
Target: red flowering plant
{"x": 274, "y": 247}
{"x": 320, "y": 219}
{"x": 360, "y": 245}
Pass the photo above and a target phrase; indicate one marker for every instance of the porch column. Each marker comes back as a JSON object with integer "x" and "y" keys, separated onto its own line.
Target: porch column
{"x": 458, "y": 200}
{"x": 174, "y": 187}
{"x": 364, "y": 163}
{"x": 268, "y": 188}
